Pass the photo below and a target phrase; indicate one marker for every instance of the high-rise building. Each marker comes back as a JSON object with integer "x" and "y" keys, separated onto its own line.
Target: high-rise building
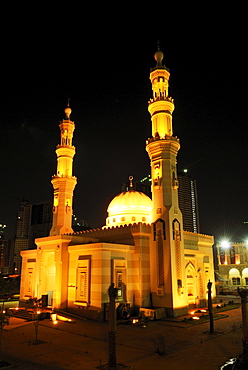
{"x": 143, "y": 249}
{"x": 3, "y": 248}
{"x": 33, "y": 221}
{"x": 188, "y": 202}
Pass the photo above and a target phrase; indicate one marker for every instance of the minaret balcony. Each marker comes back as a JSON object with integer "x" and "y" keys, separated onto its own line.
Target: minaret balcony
{"x": 166, "y": 137}
{"x": 160, "y": 105}
{"x": 65, "y": 146}
{"x": 162, "y": 148}
{"x": 161, "y": 97}
{"x": 65, "y": 151}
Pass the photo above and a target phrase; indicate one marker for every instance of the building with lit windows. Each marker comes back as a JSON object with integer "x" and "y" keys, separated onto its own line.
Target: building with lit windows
{"x": 4, "y": 250}
{"x": 33, "y": 221}
{"x": 142, "y": 249}
{"x": 232, "y": 265}
{"x": 188, "y": 202}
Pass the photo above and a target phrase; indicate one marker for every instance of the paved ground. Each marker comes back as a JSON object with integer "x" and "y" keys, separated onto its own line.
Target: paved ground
{"x": 83, "y": 345}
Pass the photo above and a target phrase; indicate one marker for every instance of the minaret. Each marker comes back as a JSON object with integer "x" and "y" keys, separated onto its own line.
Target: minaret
{"x": 63, "y": 182}
{"x": 167, "y": 254}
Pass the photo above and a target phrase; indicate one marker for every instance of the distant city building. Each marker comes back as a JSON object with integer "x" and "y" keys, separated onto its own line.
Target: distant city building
{"x": 232, "y": 265}
{"x": 187, "y": 197}
{"x": 188, "y": 202}
{"x": 79, "y": 225}
{"x": 4, "y": 250}
{"x": 35, "y": 221}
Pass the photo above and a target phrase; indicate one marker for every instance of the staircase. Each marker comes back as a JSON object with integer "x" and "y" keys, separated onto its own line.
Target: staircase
{"x": 24, "y": 314}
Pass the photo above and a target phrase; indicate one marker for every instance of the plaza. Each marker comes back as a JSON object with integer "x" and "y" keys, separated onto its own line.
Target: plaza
{"x": 84, "y": 344}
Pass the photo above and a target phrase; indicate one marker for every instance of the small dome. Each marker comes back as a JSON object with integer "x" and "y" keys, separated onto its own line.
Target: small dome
{"x": 67, "y": 112}
{"x": 129, "y": 207}
{"x": 159, "y": 56}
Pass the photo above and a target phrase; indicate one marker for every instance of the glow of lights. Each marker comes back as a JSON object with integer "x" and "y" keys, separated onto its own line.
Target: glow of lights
{"x": 203, "y": 310}
{"x": 55, "y": 322}
{"x": 218, "y": 306}
{"x": 225, "y": 244}
{"x": 185, "y": 170}
{"x": 135, "y": 321}
{"x": 17, "y": 308}
{"x": 196, "y": 318}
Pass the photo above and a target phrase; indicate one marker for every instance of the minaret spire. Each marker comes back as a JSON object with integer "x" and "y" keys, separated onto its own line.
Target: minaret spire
{"x": 168, "y": 255}
{"x": 64, "y": 182}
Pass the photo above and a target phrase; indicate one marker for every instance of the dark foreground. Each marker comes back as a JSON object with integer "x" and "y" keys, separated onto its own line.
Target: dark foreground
{"x": 83, "y": 345}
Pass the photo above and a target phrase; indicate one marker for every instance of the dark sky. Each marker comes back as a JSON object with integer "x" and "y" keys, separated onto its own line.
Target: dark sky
{"x": 103, "y": 67}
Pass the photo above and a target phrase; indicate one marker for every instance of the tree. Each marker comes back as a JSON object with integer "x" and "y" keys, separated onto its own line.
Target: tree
{"x": 4, "y": 320}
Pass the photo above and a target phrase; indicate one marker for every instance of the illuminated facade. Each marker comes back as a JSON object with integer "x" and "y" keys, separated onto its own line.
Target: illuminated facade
{"x": 142, "y": 249}
{"x": 232, "y": 265}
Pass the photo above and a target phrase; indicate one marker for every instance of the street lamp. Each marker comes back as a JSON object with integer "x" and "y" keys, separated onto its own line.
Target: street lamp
{"x": 225, "y": 244}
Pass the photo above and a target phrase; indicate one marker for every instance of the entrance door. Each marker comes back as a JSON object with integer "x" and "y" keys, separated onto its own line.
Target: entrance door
{"x": 191, "y": 283}
{"x": 50, "y": 298}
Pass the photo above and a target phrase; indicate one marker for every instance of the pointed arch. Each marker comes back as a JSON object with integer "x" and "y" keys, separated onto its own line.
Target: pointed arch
{"x": 176, "y": 228}
{"x": 191, "y": 282}
{"x": 190, "y": 269}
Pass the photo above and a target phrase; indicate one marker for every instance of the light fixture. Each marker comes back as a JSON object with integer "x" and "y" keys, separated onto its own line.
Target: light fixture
{"x": 225, "y": 244}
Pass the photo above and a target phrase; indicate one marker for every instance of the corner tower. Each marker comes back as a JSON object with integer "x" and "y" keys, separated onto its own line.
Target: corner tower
{"x": 167, "y": 248}
{"x": 63, "y": 182}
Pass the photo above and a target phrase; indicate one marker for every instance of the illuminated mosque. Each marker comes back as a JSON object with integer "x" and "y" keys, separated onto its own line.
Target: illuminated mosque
{"x": 142, "y": 249}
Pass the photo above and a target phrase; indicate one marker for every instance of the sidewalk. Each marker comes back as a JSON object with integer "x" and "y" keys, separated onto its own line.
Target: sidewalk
{"x": 84, "y": 345}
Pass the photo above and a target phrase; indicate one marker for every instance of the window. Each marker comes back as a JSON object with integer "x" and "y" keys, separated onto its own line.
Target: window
{"x": 144, "y": 219}
{"x": 232, "y": 255}
{"x": 236, "y": 281}
{"x": 246, "y": 281}
{"x": 123, "y": 219}
{"x": 119, "y": 278}
{"x": 82, "y": 284}
{"x": 29, "y": 283}
{"x": 83, "y": 279}
{"x": 133, "y": 218}
{"x": 222, "y": 256}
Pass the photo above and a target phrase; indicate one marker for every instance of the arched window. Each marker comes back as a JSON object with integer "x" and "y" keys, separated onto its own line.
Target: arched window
{"x": 143, "y": 219}
{"x": 123, "y": 219}
{"x": 245, "y": 276}
{"x": 133, "y": 218}
{"x": 234, "y": 276}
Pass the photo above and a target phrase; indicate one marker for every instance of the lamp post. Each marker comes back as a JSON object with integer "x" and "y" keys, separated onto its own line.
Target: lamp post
{"x": 112, "y": 292}
{"x": 243, "y": 293}
{"x": 210, "y": 308}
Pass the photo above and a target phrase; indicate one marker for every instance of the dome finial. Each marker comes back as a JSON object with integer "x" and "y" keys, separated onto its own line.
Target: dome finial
{"x": 131, "y": 182}
{"x": 68, "y": 110}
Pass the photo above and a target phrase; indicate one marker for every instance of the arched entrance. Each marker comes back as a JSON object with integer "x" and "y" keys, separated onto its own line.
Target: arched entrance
{"x": 191, "y": 283}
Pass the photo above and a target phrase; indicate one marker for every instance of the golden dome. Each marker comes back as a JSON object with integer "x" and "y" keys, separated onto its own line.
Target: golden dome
{"x": 129, "y": 207}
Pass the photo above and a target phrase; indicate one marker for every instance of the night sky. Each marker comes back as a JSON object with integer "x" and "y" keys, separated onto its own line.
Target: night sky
{"x": 104, "y": 69}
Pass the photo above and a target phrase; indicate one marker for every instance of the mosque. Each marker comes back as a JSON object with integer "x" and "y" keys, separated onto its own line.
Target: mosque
{"x": 142, "y": 249}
